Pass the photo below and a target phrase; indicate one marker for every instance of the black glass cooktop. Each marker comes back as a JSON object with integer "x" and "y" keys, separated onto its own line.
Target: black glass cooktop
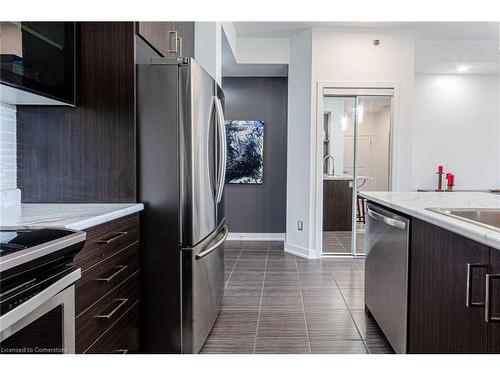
{"x": 12, "y": 240}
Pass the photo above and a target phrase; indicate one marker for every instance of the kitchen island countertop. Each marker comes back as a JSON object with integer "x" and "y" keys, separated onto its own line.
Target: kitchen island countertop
{"x": 78, "y": 216}
{"x": 415, "y": 204}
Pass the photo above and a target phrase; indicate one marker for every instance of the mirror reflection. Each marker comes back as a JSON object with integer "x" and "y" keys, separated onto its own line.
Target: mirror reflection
{"x": 356, "y": 138}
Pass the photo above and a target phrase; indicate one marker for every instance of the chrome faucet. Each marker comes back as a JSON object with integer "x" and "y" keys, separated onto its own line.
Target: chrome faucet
{"x": 325, "y": 163}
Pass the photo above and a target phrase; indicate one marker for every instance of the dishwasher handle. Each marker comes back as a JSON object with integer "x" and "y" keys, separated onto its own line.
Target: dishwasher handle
{"x": 387, "y": 220}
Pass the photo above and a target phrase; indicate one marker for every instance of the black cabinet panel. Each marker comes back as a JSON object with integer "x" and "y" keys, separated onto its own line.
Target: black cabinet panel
{"x": 39, "y": 57}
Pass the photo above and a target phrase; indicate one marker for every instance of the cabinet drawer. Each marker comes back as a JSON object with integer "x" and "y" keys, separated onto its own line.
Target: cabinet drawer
{"x": 102, "y": 315}
{"x": 107, "y": 239}
{"x": 122, "y": 337}
{"x": 101, "y": 278}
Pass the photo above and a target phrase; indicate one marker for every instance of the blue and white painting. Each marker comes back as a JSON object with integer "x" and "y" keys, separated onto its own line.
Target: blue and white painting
{"x": 245, "y": 152}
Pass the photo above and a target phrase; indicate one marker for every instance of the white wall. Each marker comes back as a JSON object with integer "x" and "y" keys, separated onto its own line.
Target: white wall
{"x": 457, "y": 124}
{"x": 336, "y": 107}
{"x": 299, "y": 193}
{"x": 8, "y": 155}
{"x": 343, "y": 57}
{"x": 351, "y": 57}
{"x": 376, "y": 126}
{"x": 262, "y": 51}
{"x": 498, "y": 119}
{"x": 208, "y": 47}
{"x": 8, "y": 158}
{"x": 381, "y": 137}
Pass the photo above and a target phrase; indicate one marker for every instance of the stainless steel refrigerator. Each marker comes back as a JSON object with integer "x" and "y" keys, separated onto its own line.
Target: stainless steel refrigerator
{"x": 181, "y": 172}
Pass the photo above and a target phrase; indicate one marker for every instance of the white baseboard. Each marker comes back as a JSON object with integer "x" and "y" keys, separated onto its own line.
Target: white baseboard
{"x": 299, "y": 251}
{"x": 256, "y": 236}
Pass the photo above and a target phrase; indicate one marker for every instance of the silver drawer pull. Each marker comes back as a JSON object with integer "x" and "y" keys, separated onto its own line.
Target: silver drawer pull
{"x": 487, "y": 309}
{"x": 108, "y": 279}
{"x": 114, "y": 237}
{"x": 120, "y": 351}
{"x": 470, "y": 275}
{"x": 122, "y": 301}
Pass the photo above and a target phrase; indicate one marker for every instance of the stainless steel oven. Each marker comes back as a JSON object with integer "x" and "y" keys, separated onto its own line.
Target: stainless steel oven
{"x": 45, "y": 323}
{"x": 37, "y": 293}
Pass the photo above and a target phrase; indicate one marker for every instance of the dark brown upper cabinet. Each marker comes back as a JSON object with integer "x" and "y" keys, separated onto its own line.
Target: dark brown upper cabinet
{"x": 37, "y": 62}
{"x": 448, "y": 299}
{"x": 156, "y": 35}
{"x": 86, "y": 153}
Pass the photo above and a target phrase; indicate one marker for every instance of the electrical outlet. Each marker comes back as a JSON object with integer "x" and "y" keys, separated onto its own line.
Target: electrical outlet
{"x": 300, "y": 225}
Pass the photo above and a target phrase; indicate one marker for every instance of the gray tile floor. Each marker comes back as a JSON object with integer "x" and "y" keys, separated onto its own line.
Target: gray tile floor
{"x": 341, "y": 242}
{"x": 278, "y": 303}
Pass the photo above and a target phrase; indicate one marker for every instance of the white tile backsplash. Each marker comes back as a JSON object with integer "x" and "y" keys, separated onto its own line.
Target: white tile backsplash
{"x": 8, "y": 151}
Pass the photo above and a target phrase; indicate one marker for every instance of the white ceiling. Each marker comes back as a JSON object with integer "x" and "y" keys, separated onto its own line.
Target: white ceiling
{"x": 440, "y": 46}
{"x": 232, "y": 69}
{"x": 424, "y": 31}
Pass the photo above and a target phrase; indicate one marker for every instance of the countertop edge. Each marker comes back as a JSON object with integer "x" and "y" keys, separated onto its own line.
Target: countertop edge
{"x": 73, "y": 221}
{"x": 474, "y": 232}
{"x": 104, "y": 218}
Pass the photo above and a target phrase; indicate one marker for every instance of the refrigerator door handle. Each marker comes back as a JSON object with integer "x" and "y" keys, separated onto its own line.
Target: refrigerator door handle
{"x": 213, "y": 108}
{"x": 221, "y": 123}
{"x": 208, "y": 250}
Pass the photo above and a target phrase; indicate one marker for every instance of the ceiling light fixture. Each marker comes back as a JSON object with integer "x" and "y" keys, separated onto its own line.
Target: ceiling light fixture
{"x": 463, "y": 68}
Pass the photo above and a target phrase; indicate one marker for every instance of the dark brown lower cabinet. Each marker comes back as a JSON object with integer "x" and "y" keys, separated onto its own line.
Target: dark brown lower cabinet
{"x": 441, "y": 317}
{"x": 494, "y": 301}
{"x": 107, "y": 295}
{"x": 122, "y": 337}
{"x": 337, "y": 205}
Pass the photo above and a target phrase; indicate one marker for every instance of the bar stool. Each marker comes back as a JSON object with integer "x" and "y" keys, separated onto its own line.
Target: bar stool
{"x": 360, "y": 209}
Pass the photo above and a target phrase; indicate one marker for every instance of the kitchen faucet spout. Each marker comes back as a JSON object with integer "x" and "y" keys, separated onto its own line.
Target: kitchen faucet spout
{"x": 329, "y": 172}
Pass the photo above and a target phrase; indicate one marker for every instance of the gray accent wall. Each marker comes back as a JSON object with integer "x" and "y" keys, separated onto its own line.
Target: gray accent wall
{"x": 259, "y": 208}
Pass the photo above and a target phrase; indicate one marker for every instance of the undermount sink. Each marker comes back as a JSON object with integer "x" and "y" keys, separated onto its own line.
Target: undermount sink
{"x": 485, "y": 217}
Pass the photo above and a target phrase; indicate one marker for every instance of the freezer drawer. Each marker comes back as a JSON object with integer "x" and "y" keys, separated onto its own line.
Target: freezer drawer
{"x": 386, "y": 273}
{"x": 202, "y": 289}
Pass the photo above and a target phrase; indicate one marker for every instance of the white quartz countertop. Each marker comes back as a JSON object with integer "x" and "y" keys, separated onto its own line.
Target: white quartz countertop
{"x": 344, "y": 177}
{"x": 71, "y": 216}
{"x": 415, "y": 204}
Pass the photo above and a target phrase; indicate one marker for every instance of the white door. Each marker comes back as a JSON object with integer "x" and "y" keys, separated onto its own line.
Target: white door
{"x": 363, "y": 159}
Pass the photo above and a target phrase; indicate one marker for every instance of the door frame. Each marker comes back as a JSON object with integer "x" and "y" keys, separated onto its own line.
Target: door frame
{"x": 347, "y": 89}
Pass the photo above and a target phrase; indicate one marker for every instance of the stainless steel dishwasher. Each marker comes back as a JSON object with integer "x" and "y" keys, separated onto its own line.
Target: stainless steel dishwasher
{"x": 386, "y": 273}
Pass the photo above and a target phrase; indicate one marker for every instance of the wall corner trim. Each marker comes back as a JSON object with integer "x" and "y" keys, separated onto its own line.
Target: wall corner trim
{"x": 299, "y": 251}
{"x": 233, "y": 236}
